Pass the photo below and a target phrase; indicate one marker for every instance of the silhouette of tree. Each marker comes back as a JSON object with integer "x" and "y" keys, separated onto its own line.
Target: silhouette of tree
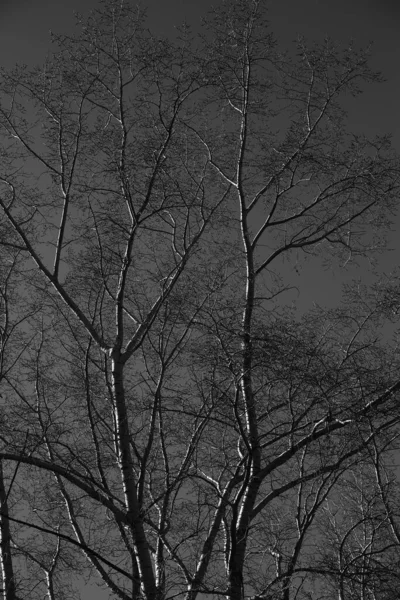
{"x": 169, "y": 425}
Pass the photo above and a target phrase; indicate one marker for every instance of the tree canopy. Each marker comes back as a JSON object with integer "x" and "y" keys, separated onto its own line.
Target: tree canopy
{"x": 170, "y": 426}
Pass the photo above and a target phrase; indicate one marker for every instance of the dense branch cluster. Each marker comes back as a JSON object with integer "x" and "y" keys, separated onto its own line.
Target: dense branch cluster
{"x": 170, "y": 427}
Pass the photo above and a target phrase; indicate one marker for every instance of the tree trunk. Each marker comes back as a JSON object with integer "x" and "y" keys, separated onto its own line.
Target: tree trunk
{"x": 128, "y": 481}
{"x": 9, "y": 591}
{"x": 238, "y": 552}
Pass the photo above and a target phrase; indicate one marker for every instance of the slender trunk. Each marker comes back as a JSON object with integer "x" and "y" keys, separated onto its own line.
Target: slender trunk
{"x": 9, "y": 591}
{"x": 252, "y": 480}
{"x": 129, "y": 484}
{"x": 50, "y": 586}
{"x": 239, "y": 543}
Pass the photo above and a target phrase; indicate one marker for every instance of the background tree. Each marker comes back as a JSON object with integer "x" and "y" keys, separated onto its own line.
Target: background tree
{"x": 170, "y": 416}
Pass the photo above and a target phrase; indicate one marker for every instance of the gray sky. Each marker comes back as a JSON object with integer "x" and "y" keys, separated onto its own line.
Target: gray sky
{"x": 24, "y": 27}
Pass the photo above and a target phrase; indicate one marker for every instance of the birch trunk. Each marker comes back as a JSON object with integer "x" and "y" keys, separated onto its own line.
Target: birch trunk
{"x": 9, "y": 588}
{"x": 128, "y": 482}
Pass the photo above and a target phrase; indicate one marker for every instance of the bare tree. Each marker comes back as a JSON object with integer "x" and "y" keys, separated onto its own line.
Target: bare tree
{"x": 171, "y": 417}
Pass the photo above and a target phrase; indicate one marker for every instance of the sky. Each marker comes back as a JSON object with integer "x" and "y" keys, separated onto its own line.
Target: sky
{"x": 25, "y": 25}
{"x": 24, "y": 38}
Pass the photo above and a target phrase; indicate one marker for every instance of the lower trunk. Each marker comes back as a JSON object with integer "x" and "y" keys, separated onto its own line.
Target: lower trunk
{"x": 147, "y": 577}
{"x": 236, "y": 590}
{"x": 239, "y": 541}
{"x": 9, "y": 591}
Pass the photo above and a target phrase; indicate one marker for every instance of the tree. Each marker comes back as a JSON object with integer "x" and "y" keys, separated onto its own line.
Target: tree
{"x": 165, "y": 412}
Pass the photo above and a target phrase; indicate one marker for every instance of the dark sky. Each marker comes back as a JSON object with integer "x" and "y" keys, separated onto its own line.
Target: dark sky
{"x": 24, "y": 27}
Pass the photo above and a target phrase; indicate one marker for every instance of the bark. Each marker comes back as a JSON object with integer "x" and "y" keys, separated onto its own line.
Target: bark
{"x": 129, "y": 484}
{"x": 239, "y": 543}
{"x": 9, "y": 588}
